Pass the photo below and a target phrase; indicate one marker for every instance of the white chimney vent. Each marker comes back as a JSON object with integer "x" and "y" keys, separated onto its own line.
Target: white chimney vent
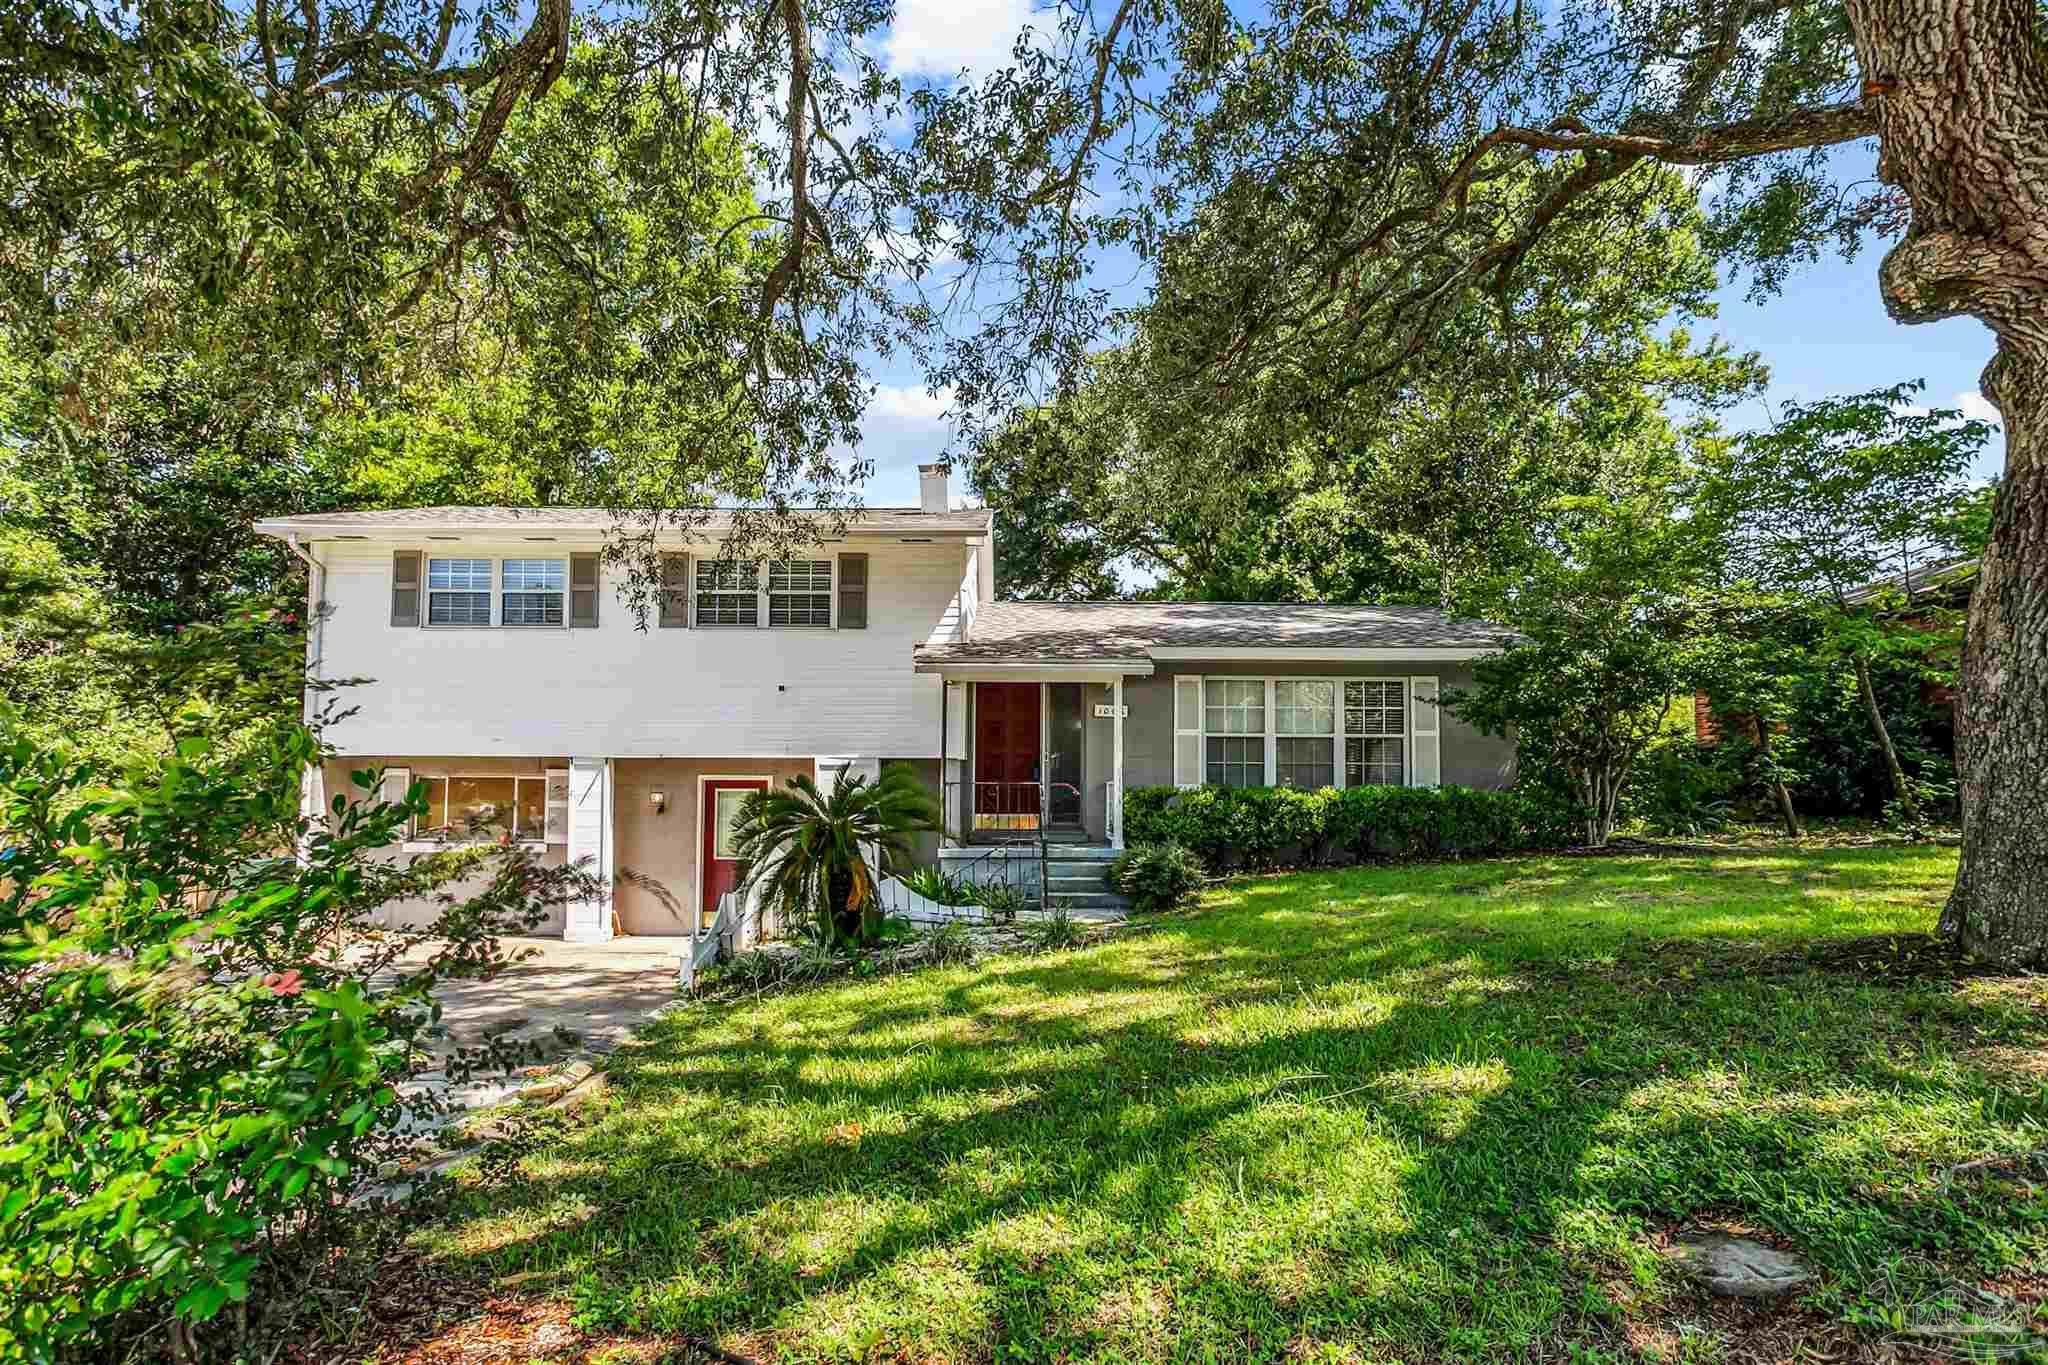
{"x": 932, "y": 492}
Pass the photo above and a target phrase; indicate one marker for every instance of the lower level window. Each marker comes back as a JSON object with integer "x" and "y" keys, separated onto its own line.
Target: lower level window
{"x": 1237, "y": 762}
{"x": 482, "y": 810}
{"x": 1307, "y": 763}
{"x": 1372, "y": 763}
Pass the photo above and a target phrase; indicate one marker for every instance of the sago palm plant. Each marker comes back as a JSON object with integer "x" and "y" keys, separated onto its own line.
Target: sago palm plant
{"x": 807, "y": 853}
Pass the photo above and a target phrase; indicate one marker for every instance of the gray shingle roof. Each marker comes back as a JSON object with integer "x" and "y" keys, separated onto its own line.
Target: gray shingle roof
{"x": 1076, "y": 631}
{"x": 904, "y": 520}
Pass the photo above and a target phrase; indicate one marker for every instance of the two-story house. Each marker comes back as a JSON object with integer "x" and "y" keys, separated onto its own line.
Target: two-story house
{"x": 507, "y": 672}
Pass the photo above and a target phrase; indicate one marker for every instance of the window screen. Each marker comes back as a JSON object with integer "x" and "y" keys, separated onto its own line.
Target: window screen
{"x": 458, "y": 592}
{"x": 1305, "y": 708}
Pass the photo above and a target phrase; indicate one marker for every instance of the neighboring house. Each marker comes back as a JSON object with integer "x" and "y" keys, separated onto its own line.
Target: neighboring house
{"x": 1907, "y": 599}
{"x": 506, "y": 671}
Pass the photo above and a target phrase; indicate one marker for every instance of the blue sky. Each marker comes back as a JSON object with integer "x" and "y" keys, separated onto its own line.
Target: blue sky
{"x": 1825, "y": 333}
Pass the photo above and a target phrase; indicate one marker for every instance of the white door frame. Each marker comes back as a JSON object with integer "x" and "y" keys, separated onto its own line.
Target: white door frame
{"x": 697, "y": 833}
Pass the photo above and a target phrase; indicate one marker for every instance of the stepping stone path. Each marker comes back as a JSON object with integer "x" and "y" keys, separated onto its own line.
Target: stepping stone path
{"x": 1738, "y": 1267}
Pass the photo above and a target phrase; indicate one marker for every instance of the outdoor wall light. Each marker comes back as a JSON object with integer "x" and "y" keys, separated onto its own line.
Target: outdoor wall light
{"x": 660, "y": 800}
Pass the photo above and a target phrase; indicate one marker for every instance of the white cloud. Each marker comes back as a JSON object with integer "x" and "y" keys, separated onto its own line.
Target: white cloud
{"x": 1976, "y": 405}
{"x": 939, "y": 37}
{"x": 912, "y": 405}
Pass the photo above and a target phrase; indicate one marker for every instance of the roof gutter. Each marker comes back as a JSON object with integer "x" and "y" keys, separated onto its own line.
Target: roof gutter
{"x": 1034, "y": 670}
{"x": 316, "y": 615}
{"x": 1359, "y": 653}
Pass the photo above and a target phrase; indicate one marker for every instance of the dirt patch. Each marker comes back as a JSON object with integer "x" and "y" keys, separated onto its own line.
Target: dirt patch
{"x": 418, "y": 1316}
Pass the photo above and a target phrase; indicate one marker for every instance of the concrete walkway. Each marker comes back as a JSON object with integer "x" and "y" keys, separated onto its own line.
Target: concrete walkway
{"x": 595, "y": 992}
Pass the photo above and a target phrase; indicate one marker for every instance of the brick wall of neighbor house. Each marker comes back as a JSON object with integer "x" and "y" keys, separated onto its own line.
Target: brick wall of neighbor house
{"x": 417, "y": 914}
{"x": 1469, "y": 758}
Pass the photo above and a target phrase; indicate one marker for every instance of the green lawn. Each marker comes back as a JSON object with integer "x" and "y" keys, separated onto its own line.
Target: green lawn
{"x": 1372, "y": 1114}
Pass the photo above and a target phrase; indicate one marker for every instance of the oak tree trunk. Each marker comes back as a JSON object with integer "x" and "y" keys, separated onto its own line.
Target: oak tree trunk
{"x": 1999, "y": 908}
{"x": 1961, "y": 90}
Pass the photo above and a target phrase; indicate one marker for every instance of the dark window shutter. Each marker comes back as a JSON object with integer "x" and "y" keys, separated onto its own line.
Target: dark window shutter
{"x": 675, "y": 590}
{"x": 582, "y": 590}
{"x": 853, "y": 592}
{"x": 405, "y": 588}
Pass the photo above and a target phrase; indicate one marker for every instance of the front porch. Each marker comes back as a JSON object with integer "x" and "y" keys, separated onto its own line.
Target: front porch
{"x": 1034, "y": 758}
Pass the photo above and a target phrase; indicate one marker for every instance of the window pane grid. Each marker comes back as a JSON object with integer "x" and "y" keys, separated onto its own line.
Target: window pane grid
{"x": 1375, "y": 708}
{"x": 727, "y": 592}
{"x": 1305, "y": 708}
{"x": 800, "y": 592}
{"x": 458, "y": 592}
{"x": 1236, "y": 762}
{"x": 1306, "y": 763}
{"x": 1372, "y": 762}
{"x": 1234, "y": 706}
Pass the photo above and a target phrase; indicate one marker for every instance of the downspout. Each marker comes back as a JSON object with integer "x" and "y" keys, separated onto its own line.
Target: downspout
{"x": 316, "y": 618}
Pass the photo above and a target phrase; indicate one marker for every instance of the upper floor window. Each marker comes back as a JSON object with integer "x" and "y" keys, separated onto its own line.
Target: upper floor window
{"x": 458, "y": 592}
{"x": 533, "y": 592}
{"x": 728, "y": 592}
{"x": 800, "y": 592}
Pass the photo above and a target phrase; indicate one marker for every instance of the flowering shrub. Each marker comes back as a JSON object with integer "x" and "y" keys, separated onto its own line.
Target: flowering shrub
{"x": 200, "y": 1047}
{"x": 1258, "y": 827}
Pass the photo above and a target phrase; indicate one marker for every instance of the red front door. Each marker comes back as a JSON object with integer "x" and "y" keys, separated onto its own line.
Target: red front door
{"x": 1006, "y": 725}
{"x": 722, "y": 798}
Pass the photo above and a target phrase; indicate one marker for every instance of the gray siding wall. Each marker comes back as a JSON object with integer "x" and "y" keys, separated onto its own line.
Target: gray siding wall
{"x": 1469, "y": 758}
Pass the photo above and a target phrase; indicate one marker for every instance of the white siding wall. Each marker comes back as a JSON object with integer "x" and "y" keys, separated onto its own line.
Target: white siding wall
{"x": 620, "y": 692}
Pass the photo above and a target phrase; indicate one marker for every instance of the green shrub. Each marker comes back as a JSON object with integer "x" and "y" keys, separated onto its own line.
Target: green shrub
{"x": 1055, "y": 930}
{"x": 200, "y": 1048}
{"x": 1156, "y": 876}
{"x": 935, "y": 886}
{"x": 951, "y": 942}
{"x": 1261, "y": 827}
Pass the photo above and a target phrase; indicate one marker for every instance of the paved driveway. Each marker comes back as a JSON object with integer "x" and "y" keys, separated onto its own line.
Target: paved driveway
{"x": 597, "y": 991}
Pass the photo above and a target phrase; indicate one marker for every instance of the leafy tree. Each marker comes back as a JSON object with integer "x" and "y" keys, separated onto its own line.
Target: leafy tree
{"x": 1606, "y": 621}
{"x": 807, "y": 852}
{"x": 1839, "y": 494}
{"x": 200, "y": 1045}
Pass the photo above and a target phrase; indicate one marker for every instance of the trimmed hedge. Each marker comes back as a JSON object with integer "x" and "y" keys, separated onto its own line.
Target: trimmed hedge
{"x": 1259, "y": 827}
